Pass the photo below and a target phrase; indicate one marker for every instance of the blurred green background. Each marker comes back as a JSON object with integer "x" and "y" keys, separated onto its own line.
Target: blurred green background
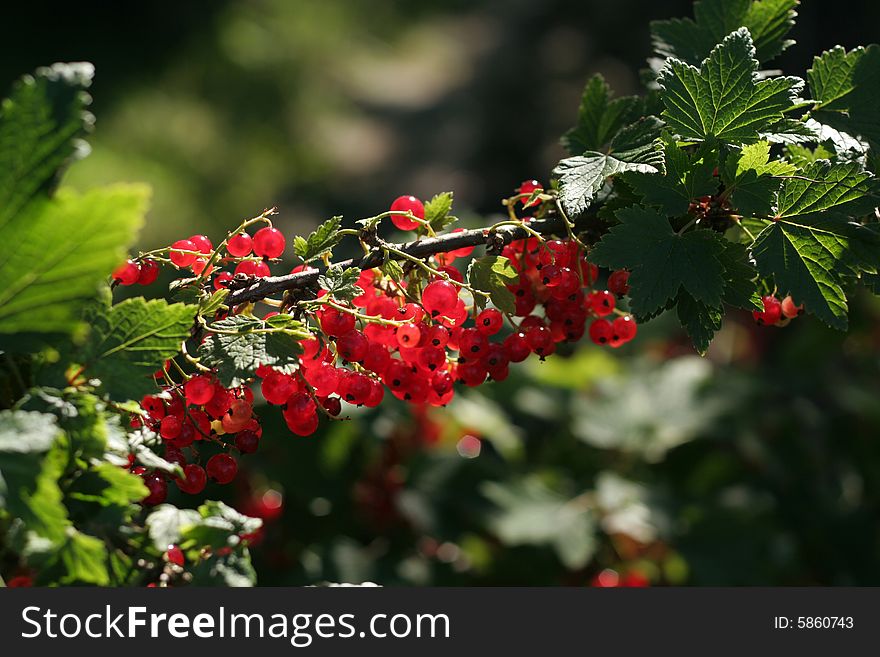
{"x": 759, "y": 464}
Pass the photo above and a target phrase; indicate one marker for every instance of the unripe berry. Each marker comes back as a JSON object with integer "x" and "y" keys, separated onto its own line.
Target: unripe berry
{"x": 789, "y": 309}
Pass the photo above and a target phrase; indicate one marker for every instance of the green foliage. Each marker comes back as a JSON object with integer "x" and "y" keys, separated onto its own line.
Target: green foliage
{"x": 320, "y": 242}
{"x": 492, "y": 275}
{"x": 341, "y": 284}
{"x": 130, "y": 341}
{"x": 437, "y": 211}
{"x": 236, "y": 346}
{"x": 767, "y": 20}
{"x": 723, "y": 99}
{"x": 600, "y": 117}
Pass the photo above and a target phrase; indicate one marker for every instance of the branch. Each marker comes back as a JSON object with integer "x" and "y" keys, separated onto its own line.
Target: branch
{"x": 421, "y": 248}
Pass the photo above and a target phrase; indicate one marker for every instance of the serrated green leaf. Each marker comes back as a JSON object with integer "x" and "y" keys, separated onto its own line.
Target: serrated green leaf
{"x": 220, "y": 526}
{"x": 636, "y": 147}
{"x": 800, "y": 155}
{"x": 767, "y": 20}
{"x": 791, "y": 131}
{"x": 687, "y": 177}
{"x": 491, "y": 274}
{"x": 236, "y": 346}
{"x": 752, "y": 181}
{"x": 392, "y": 269}
{"x": 166, "y": 522}
{"x": 600, "y": 117}
{"x": 662, "y": 262}
{"x": 85, "y": 559}
{"x": 64, "y": 248}
{"x": 210, "y": 305}
{"x": 41, "y": 124}
{"x": 132, "y": 340}
{"x": 320, "y": 241}
{"x": 740, "y": 285}
{"x": 699, "y": 320}
{"x": 724, "y": 99}
{"x": 844, "y": 85}
{"x": 437, "y": 211}
{"x": 121, "y": 445}
{"x": 233, "y": 570}
{"x": 823, "y": 187}
{"x": 341, "y": 284}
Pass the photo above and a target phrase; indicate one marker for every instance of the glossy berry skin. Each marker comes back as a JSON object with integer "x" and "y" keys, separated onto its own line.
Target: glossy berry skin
{"x": 624, "y": 328}
{"x": 618, "y": 282}
{"x": 407, "y": 204}
{"x": 772, "y": 312}
{"x": 203, "y": 244}
{"x": 198, "y": 390}
{"x": 335, "y": 323}
{"x": 332, "y": 405}
{"x": 278, "y": 387}
{"x": 127, "y": 273}
{"x": 149, "y": 272}
{"x": 194, "y": 479}
{"x": 527, "y": 187}
{"x": 247, "y": 441}
{"x": 540, "y": 340}
{"x": 472, "y": 345}
{"x": 353, "y": 346}
{"x": 601, "y": 331}
{"x": 440, "y": 298}
{"x": 602, "y": 303}
{"x": 183, "y": 259}
{"x": 157, "y": 487}
{"x": 239, "y": 246}
{"x": 222, "y": 468}
{"x": 408, "y": 335}
{"x": 516, "y": 347}
{"x": 269, "y": 242}
{"x": 170, "y": 427}
{"x": 489, "y": 321}
{"x": 174, "y": 555}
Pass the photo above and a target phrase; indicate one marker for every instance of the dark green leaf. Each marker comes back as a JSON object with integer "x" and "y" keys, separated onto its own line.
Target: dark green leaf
{"x": 599, "y": 117}
{"x": 341, "y": 284}
{"x": 491, "y": 274}
{"x": 699, "y": 320}
{"x": 752, "y": 181}
{"x": 166, "y": 522}
{"x": 724, "y": 99}
{"x": 437, "y": 211}
{"x": 823, "y": 187}
{"x": 321, "y": 241}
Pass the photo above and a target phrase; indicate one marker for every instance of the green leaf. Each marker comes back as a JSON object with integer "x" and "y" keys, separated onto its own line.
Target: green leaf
{"x": 844, "y": 86}
{"x": 699, "y": 320}
{"x": 791, "y": 131}
{"x": 166, "y": 522}
{"x": 800, "y": 155}
{"x": 121, "y": 445}
{"x": 687, "y": 177}
{"x": 767, "y": 20}
{"x": 233, "y": 569}
{"x": 392, "y": 269}
{"x": 823, "y": 187}
{"x": 600, "y": 117}
{"x": 662, "y": 262}
{"x": 751, "y": 179}
{"x": 236, "y": 346}
{"x": 130, "y": 341}
{"x": 121, "y": 488}
{"x": 41, "y": 124}
{"x": 740, "y": 284}
{"x": 64, "y": 248}
{"x": 321, "y": 241}
{"x": 491, "y": 274}
{"x": 636, "y": 147}
{"x": 341, "y": 284}
{"x": 529, "y": 513}
{"x": 220, "y": 526}
{"x": 437, "y": 211}
{"x": 809, "y": 260}
{"x": 30, "y": 466}
{"x": 85, "y": 559}
{"x": 724, "y": 99}
{"x": 210, "y": 305}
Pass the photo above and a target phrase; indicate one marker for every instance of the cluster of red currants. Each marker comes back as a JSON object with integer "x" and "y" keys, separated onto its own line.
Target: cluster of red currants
{"x": 415, "y": 338}
{"x": 194, "y": 420}
{"x": 776, "y": 312}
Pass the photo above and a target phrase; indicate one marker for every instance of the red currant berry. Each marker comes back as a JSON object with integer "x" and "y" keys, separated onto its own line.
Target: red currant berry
{"x": 221, "y": 468}
{"x": 332, "y": 405}
{"x": 618, "y": 282}
{"x": 789, "y": 309}
{"x": 177, "y": 255}
{"x": 194, "y": 479}
{"x": 335, "y": 323}
{"x": 353, "y": 346}
{"x": 440, "y": 298}
{"x": 516, "y": 347}
{"x": 489, "y": 321}
{"x": 772, "y": 312}
{"x": 269, "y": 242}
{"x": 624, "y": 328}
{"x": 127, "y": 273}
{"x": 203, "y": 243}
{"x": 239, "y": 246}
{"x": 601, "y": 303}
{"x": 157, "y": 487}
{"x": 198, "y": 390}
{"x": 221, "y": 280}
{"x": 149, "y": 272}
{"x": 526, "y": 188}
{"x": 408, "y": 335}
{"x": 601, "y": 331}
{"x": 407, "y": 204}
{"x": 540, "y": 340}
{"x": 174, "y": 555}
{"x": 278, "y": 387}
{"x": 169, "y": 427}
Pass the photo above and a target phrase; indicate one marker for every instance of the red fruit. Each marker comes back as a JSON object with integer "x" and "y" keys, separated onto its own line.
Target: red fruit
{"x": 624, "y": 328}
{"x": 540, "y": 340}
{"x": 601, "y": 303}
{"x": 618, "y": 282}
{"x": 464, "y": 251}
{"x": 169, "y": 427}
{"x": 489, "y": 321}
{"x": 20, "y": 581}
{"x": 408, "y": 335}
{"x": 220, "y": 402}
{"x": 527, "y": 187}
{"x": 199, "y": 266}
{"x": 239, "y": 246}
{"x": 198, "y": 390}
{"x": 472, "y": 344}
{"x": 772, "y": 312}
{"x": 278, "y": 387}
{"x": 431, "y": 358}
{"x": 127, "y": 273}
{"x": 407, "y": 204}
{"x": 174, "y": 555}
{"x": 157, "y": 487}
{"x": 335, "y": 323}
{"x": 203, "y": 243}
{"x": 332, "y": 405}
{"x": 323, "y": 377}
{"x": 377, "y": 392}
{"x": 601, "y": 331}
{"x": 440, "y": 298}
{"x": 306, "y": 427}
{"x": 154, "y": 407}
{"x": 149, "y": 272}
{"x": 355, "y": 388}
{"x": 222, "y": 468}
{"x": 472, "y": 373}
{"x": 789, "y": 309}
{"x": 353, "y": 346}
{"x": 221, "y": 280}
{"x": 635, "y": 579}
{"x": 516, "y": 347}
{"x": 194, "y": 479}
{"x": 183, "y": 259}
{"x": 300, "y": 407}
{"x": 238, "y": 417}
{"x": 247, "y": 441}
{"x": 436, "y": 336}
{"x": 269, "y": 242}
